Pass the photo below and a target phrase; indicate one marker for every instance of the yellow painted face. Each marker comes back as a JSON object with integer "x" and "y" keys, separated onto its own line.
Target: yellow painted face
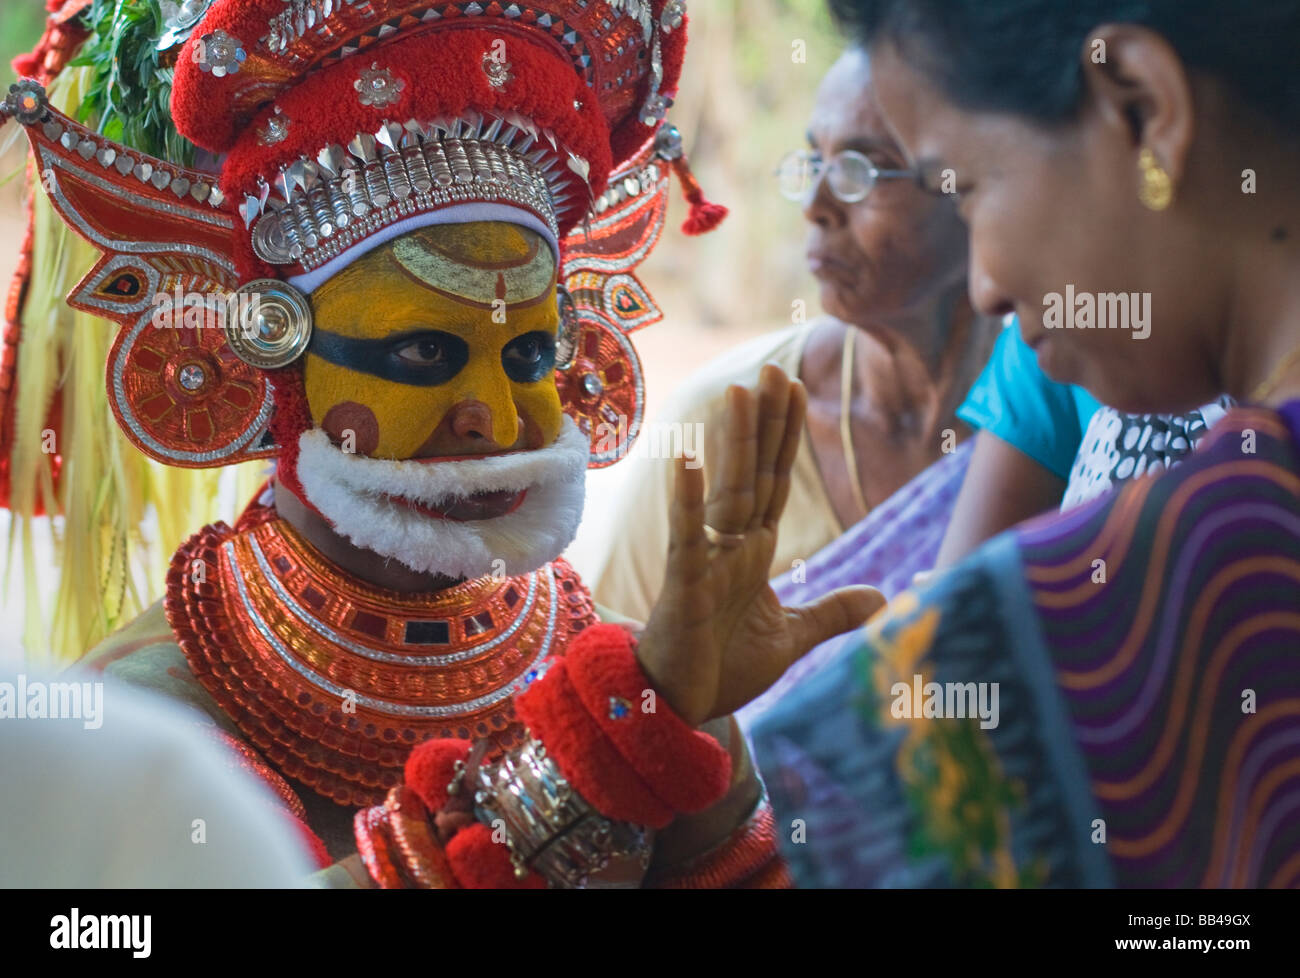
{"x": 439, "y": 343}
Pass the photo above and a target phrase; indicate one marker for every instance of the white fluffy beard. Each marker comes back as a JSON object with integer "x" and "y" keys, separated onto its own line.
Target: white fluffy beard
{"x": 351, "y": 491}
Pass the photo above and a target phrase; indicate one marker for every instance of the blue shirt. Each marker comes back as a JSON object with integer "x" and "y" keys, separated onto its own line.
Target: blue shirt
{"x": 1016, "y": 401}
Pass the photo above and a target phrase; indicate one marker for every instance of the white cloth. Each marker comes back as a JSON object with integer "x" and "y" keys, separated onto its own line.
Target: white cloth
{"x": 123, "y": 804}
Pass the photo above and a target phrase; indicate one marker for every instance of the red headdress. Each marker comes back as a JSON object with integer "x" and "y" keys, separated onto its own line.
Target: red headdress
{"x": 339, "y": 124}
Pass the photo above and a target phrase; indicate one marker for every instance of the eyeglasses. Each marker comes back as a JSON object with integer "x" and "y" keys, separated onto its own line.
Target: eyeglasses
{"x": 850, "y": 175}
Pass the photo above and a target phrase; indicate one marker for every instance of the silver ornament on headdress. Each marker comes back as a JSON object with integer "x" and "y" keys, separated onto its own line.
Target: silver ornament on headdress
{"x": 220, "y": 54}
{"x": 179, "y": 20}
{"x": 377, "y": 87}
{"x": 268, "y": 323}
{"x": 319, "y": 208}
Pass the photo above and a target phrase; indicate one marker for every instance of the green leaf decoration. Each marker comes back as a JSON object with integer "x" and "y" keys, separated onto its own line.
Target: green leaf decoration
{"x": 130, "y": 92}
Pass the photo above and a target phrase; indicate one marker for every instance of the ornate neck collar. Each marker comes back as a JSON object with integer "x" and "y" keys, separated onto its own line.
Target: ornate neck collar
{"x": 335, "y": 680}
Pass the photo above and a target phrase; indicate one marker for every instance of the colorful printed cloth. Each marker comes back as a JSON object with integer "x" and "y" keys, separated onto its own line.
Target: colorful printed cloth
{"x": 1109, "y": 696}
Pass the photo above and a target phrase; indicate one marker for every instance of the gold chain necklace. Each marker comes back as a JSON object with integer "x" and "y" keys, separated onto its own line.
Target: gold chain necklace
{"x": 1276, "y": 377}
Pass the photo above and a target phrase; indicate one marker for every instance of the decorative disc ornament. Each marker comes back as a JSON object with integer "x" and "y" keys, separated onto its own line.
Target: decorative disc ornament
{"x": 268, "y": 324}
{"x": 184, "y": 398}
{"x": 598, "y": 373}
{"x": 566, "y": 341}
{"x": 603, "y": 389}
{"x": 26, "y": 102}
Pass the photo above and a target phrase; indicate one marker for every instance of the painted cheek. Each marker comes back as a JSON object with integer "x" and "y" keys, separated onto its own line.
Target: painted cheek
{"x": 539, "y": 404}
{"x": 353, "y": 426}
{"x": 322, "y": 392}
{"x": 340, "y": 407}
{"x": 409, "y": 419}
{"x": 400, "y": 416}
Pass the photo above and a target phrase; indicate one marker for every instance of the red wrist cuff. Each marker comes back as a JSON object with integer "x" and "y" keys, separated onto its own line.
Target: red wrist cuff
{"x": 750, "y": 858}
{"x": 624, "y": 751}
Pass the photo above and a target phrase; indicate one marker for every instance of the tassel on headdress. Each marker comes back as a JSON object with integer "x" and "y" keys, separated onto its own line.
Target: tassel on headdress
{"x": 704, "y": 215}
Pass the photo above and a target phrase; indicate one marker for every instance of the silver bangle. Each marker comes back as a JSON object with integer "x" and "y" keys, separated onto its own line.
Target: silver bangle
{"x": 549, "y": 828}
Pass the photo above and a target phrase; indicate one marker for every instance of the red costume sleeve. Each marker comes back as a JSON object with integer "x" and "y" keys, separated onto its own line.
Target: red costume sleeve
{"x": 631, "y": 763}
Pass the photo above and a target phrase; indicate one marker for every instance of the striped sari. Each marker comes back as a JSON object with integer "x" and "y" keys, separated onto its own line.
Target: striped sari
{"x": 1141, "y": 658}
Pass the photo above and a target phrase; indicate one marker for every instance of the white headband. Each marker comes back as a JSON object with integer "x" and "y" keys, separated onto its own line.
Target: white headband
{"x": 309, "y": 282}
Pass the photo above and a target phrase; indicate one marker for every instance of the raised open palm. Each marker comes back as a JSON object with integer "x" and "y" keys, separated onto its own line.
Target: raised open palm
{"x": 718, "y": 636}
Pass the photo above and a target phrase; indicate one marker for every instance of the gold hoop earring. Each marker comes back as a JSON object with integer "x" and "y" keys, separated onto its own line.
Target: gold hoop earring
{"x": 1157, "y": 190}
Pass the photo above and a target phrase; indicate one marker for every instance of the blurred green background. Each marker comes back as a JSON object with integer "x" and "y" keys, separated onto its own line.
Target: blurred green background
{"x": 744, "y": 103}
{"x": 20, "y": 28}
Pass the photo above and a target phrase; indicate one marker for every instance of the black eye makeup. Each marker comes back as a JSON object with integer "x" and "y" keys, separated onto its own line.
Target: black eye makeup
{"x": 423, "y": 358}
{"x": 529, "y": 357}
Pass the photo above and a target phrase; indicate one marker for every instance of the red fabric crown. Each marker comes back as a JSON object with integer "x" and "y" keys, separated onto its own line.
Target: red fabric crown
{"x": 584, "y": 73}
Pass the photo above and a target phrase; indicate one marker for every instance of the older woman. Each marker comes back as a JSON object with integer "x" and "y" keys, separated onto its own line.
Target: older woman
{"x": 885, "y": 369}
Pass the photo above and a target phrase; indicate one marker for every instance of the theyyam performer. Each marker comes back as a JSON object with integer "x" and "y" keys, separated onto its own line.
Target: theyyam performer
{"x": 422, "y": 239}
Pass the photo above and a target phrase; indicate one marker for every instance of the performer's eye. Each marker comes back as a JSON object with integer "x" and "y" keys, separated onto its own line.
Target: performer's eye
{"x": 530, "y": 357}
{"x": 429, "y": 357}
{"x": 425, "y": 351}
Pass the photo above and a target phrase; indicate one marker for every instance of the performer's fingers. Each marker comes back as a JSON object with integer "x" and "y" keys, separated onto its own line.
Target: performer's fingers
{"x": 731, "y": 496}
{"x": 833, "y": 614}
{"x": 687, "y": 545}
{"x": 796, "y": 409}
{"x": 773, "y": 408}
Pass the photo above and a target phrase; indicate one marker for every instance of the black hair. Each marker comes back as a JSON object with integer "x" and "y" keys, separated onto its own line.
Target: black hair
{"x": 1024, "y": 57}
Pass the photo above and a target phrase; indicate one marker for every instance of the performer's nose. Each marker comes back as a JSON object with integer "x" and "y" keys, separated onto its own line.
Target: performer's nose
{"x": 471, "y": 419}
{"x": 475, "y": 421}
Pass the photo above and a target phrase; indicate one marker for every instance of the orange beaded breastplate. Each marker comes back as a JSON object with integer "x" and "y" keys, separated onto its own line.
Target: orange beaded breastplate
{"x": 334, "y": 680}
